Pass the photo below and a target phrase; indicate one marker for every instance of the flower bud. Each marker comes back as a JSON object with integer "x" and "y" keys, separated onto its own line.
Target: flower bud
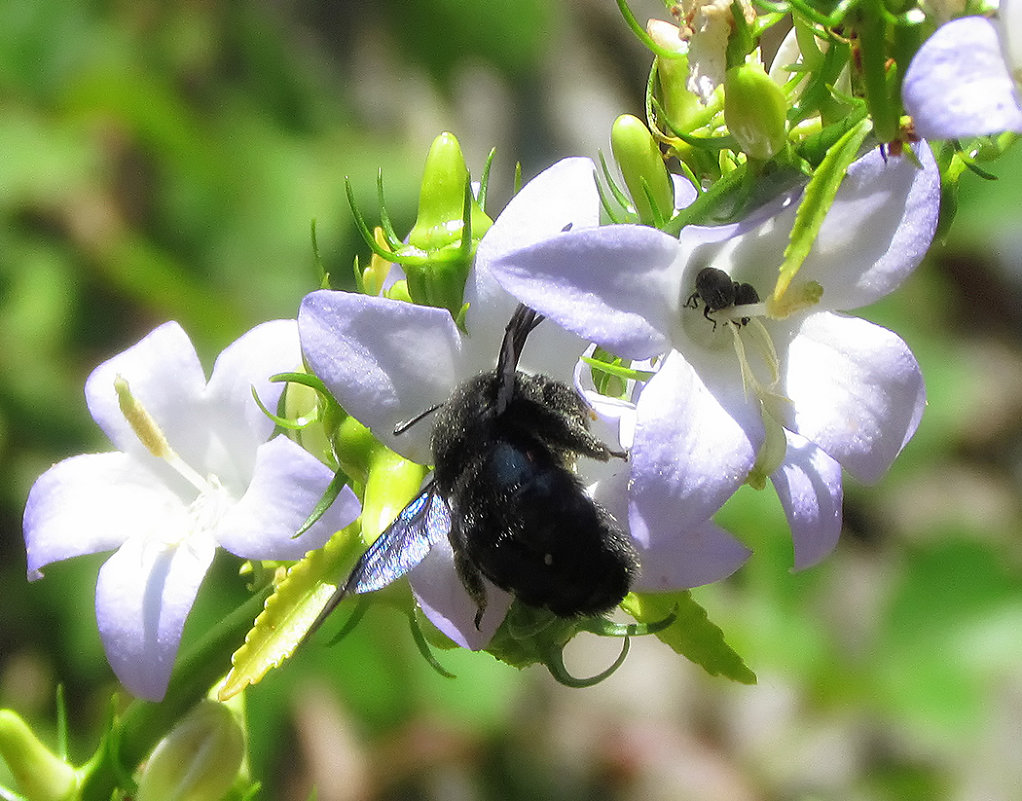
{"x": 755, "y": 111}
{"x": 439, "y": 255}
{"x": 638, "y": 157}
{"x": 198, "y": 760}
{"x": 40, "y": 774}
{"x": 442, "y": 198}
{"x": 680, "y": 104}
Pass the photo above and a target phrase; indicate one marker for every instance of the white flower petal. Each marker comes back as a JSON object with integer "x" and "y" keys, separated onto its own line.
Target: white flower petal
{"x": 856, "y": 390}
{"x": 616, "y": 285}
{"x": 682, "y": 557}
{"x": 442, "y": 597}
{"x": 550, "y": 349}
{"x": 385, "y": 361}
{"x": 1009, "y": 13}
{"x": 144, "y": 594}
{"x": 696, "y": 439}
{"x": 164, "y": 374}
{"x": 690, "y": 557}
{"x": 564, "y": 194}
{"x": 808, "y": 485}
{"x": 958, "y": 84}
{"x": 287, "y": 483}
{"x": 92, "y": 503}
{"x": 878, "y": 230}
{"x": 247, "y": 364}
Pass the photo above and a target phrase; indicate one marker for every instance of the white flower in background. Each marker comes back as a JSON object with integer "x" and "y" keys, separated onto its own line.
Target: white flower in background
{"x": 205, "y": 475}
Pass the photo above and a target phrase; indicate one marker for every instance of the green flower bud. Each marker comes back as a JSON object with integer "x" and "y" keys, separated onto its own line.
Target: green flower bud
{"x": 198, "y": 760}
{"x": 638, "y": 157}
{"x": 39, "y": 773}
{"x": 755, "y": 111}
{"x": 439, "y": 237}
{"x": 392, "y": 482}
{"x": 680, "y": 105}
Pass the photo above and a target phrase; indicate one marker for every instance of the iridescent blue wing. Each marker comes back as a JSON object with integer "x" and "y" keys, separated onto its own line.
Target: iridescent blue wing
{"x": 404, "y": 543}
{"x": 401, "y": 546}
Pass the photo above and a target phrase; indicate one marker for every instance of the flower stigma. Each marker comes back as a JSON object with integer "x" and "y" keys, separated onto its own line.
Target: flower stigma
{"x": 213, "y": 500}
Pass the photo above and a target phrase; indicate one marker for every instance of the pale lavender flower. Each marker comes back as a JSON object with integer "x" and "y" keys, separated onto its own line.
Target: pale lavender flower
{"x": 963, "y": 81}
{"x": 386, "y": 361}
{"x": 794, "y": 396}
{"x": 216, "y": 481}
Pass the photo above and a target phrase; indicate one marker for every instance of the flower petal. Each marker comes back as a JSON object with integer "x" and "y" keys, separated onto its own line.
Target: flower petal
{"x": 92, "y": 503}
{"x": 564, "y": 194}
{"x": 696, "y": 439}
{"x": 682, "y": 558}
{"x": 808, "y": 484}
{"x": 616, "y": 285}
{"x": 144, "y": 594}
{"x": 1009, "y": 15}
{"x": 164, "y": 374}
{"x": 692, "y": 557}
{"x": 385, "y": 361}
{"x": 247, "y": 364}
{"x": 287, "y": 483}
{"x": 443, "y": 598}
{"x": 550, "y": 349}
{"x": 958, "y": 84}
{"x": 879, "y": 228}
{"x": 856, "y": 391}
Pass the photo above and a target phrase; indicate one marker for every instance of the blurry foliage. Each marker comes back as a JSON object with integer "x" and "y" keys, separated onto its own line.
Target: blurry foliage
{"x": 164, "y": 160}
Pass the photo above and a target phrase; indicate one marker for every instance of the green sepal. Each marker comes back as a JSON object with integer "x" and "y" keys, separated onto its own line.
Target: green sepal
{"x": 816, "y": 202}
{"x": 333, "y": 489}
{"x": 290, "y": 610}
{"x": 691, "y": 634}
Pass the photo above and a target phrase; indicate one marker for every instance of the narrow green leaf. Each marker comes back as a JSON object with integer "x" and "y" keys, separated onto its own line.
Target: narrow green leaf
{"x": 691, "y": 634}
{"x": 289, "y": 612}
{"x": 816, "y": 202}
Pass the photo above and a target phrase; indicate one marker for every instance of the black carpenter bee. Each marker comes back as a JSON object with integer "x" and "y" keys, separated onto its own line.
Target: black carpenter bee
{"x": 504, "y": 493}
{"x": 717, "y": 291}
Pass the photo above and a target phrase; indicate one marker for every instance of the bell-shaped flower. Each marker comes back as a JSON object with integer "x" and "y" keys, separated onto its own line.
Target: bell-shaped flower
{"x": 964, "y": 80}
{"x": 193, "y": 470}
{"x": 789, "y": 389}
{"x": 387, "y": 361}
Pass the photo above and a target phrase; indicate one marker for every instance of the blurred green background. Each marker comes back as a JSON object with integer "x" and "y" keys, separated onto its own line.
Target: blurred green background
{"x": 163, "y": 160}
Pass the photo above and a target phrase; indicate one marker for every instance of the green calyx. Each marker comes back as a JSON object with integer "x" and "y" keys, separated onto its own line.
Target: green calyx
{"x": 438, "y": 253}
{"x": 449, "y": 226}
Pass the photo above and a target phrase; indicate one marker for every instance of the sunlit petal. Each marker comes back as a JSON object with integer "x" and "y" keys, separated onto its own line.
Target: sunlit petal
{"x": 385, "y": 361}
{"x": 287, "y": 484}
{"x": 92, "y": 503}
{"x": 856, "y": 389}
{"x": 144, "y": 594}
{"x": 808, "y": 485}
{"x": 958, "y": 84}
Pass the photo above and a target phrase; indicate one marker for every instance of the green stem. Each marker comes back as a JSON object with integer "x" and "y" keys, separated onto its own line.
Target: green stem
{"x": 144, "y": 722}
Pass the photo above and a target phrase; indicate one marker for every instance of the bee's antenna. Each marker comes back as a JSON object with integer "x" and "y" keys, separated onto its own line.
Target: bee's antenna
{"x": 403, "y": 426}
{"x": 521, "y": 324}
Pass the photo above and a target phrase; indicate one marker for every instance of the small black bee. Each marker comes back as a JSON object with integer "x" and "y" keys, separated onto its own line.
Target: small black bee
{"x": 717, "y": 291}
{"x": 504, "y": 494}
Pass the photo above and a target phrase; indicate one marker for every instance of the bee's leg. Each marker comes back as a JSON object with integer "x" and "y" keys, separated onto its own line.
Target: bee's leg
{"x": 472, "y": 580}
{"x": 562, "y": 417}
